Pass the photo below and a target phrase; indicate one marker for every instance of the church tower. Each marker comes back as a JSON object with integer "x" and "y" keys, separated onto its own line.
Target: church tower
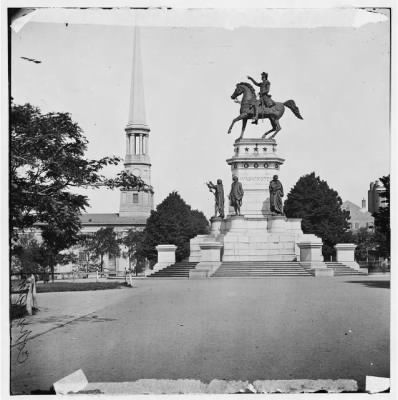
{"x": 137, "y": 161}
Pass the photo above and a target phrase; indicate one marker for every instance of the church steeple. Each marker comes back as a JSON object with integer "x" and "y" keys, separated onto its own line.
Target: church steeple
{"x": 137, "y": 101}
{"x": 133, "y": 203}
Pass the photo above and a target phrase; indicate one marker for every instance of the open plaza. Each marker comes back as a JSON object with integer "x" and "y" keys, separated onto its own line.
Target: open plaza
{"x": 227, "y": 329}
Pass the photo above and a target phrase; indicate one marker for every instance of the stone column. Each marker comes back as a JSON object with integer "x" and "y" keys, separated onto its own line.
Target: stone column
{"x": 166, "y": 256}
{"x": 311, "y": 255}
{"x": 345, "y": 254}
{"x": 210, "y": 260}
{"x": 128, "y": 144}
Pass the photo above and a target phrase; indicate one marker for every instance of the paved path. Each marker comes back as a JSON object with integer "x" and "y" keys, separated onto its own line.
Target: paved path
{"x": 275, "y": 328}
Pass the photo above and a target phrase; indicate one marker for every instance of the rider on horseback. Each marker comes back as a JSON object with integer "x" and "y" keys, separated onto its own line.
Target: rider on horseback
{"x": 265, "y": 97}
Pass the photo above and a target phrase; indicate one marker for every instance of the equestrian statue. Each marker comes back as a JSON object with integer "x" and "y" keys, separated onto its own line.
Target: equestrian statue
{"x": 264, "y": 107}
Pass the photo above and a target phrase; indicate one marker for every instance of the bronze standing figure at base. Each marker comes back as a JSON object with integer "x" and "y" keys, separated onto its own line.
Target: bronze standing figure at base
{"x": 275, "y": 196}
{"x": 218, "y": 191}
{"x": 236, "y": 195}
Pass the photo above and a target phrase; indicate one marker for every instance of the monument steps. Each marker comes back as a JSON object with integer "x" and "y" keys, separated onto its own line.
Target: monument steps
{"x": 177, "y": 270}
{"x": 260, "y": 269}
{"x": 341, "y": 269}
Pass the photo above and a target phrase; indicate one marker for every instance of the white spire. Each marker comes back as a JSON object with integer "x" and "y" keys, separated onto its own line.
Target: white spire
{"x": 137, "y": 118}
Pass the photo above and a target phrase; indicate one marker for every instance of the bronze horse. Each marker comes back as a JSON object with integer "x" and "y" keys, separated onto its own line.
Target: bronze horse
{"x": 247, "y": 110}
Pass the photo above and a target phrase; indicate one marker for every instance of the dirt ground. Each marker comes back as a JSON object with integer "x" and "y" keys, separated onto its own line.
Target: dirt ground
{"x": 234, "y": 329}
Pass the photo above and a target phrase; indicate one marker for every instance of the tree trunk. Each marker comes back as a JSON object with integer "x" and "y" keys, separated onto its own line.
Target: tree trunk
{"x": 52, "y": 268}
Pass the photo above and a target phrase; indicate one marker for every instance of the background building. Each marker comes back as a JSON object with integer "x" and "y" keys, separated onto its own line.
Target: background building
{"x": 374, "y": 199}
{"x": 360, "y": 216}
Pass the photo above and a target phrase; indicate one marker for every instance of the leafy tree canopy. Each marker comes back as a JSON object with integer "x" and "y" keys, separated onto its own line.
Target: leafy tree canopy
{"x": 173, "y": 222}
{"x": 46, "y": 162}
{"x": 28, "y": 256}
{"x": 319, "y": 206}
{"x": 382, "y": 220}
{"x": 105, "y": 241}
{"x": 133, "y": 243}
{"x": 366, "y": 243}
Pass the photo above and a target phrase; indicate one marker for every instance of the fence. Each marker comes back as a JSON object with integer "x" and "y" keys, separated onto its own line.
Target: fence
{"x": 24, "y": 294}
{"x": 376, "y": 265}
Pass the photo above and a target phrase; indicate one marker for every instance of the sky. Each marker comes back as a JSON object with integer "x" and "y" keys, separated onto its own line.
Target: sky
{"x": 334, "y": 66}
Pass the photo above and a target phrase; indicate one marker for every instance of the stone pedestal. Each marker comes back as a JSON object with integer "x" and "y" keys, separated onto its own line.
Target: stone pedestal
{"x": 216, "y": 228}
{"x": 345, "y": 254}
{"x": 276, "y": 224}
{"x": 271, "y": 238}
{"x": 209, "y": 262}
{"x": 194, "y": 252}
{"x": 166, "y": 257}
{"x": 311, "y": 256}
{"x": 255, "y": 162}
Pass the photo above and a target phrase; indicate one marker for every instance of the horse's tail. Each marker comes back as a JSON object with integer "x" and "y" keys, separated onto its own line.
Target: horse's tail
{"x": 292, "y": 105}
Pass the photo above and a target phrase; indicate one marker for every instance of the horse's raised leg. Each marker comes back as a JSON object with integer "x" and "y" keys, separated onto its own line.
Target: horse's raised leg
{"x": 277, "y": 129}
{"x": 233, "y": 122}
{"x": 244, "y": 122}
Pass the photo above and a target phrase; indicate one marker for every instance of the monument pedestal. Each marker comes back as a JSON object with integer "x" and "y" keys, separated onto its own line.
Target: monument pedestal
{"x": 345, "y": 254}
{"x": 271, "y": 238}
{"x": 255, "y": 162}
{"x": 257, "y": 234}
{"x": 311, "y": 256}
{"x": 209, "y": 262}
{"x": 166, "y": 257}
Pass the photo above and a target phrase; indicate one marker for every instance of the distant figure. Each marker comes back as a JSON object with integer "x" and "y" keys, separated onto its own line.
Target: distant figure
{"x": 236, "y": 195}
{"x": 218, "y": 191}
{"x": 275, "y": 195}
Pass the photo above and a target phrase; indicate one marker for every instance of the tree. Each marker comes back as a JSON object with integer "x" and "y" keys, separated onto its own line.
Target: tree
{"x": 320, "y": 209}
{"x": 85, "y": 243}
{"x": 134, "y": 245}
{"x": 366, "y": 244}
{"x": 28, "y": 255}
{"x": 46, "y": 163}
{"x": 382, "y": 220}
{"x": 199, "y": 223}
{"x": 105, "y": 241}
{"x": 173, "y": 222}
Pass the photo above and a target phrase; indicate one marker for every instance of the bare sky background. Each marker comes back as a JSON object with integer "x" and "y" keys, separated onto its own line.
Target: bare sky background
{"x": 337, "y": 75}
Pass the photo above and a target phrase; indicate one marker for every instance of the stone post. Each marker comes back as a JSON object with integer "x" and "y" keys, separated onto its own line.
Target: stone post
{"x": 194, "y": 248}
{"x": 210, "y": 260}
{"x": 166, "y": 257}
{"x": 345, "y": 254}
{"x": 215, "y": 228}
{"x": 311, "y": 255}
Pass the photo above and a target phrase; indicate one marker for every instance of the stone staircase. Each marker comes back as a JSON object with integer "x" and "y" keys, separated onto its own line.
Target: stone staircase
{"x": 341, "y": 269}
{"x": 177, "y": 270}
{"x": 260, "y": 269}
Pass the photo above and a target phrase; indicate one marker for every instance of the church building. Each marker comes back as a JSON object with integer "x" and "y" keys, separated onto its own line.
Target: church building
{"x": 135, "y": 207}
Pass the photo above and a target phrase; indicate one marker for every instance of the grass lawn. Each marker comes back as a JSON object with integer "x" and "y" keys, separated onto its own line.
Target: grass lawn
{"x": 77, "y": 286}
